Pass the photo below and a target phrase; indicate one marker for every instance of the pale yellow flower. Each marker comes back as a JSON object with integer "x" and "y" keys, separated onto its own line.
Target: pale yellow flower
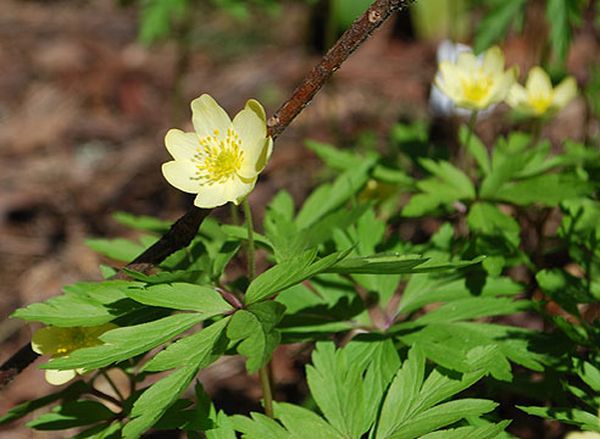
{"x": 538, "y": 97}
{"x": 221, "y": 160}
{"x": 60, "y": 342}
{"x": 583, "y": 435}
{"x": 476, "y": 83}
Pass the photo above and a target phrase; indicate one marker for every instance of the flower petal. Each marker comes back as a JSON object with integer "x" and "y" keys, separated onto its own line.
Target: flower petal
{"x": 94, "y": 332}
{"x": 538, "y": 83}
{"x": 564, "y": 92}
{"x": 179, "y": 174}
{"x": 217, "y": 194}
{"x": 502, "y": 86}
{"x": 493, "y": 61}
{"x": 181, "y": 146}
{"x": 59, "y": 377}
{"x": 208, "y": 117}
{"x": 251, "y": 125}
{"x": 517, "y": 96}
{"x": 47, "y": 341}
{"x": 467, "y": 62}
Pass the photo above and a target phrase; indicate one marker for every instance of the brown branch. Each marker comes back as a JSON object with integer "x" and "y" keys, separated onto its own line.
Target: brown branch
{"x": 185, "y": 228}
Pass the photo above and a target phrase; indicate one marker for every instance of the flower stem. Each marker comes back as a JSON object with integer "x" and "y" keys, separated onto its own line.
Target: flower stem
{"x": 263, "y": 373}
{"x": 465, "y": 161}
{"x": 471, "y": 128}
{"x": 265, "y": 383}
{"x": 250, "y": 249}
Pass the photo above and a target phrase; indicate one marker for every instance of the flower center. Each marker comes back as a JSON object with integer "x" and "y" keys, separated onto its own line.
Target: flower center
{"x": 477, "y": 86}
{"x": 75, "y": 338}
{"x": 540, "y": 103}
{"x": 217, "y": 160}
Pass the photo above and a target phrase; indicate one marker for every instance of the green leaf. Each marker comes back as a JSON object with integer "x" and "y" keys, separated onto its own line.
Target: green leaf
{"x": 83, "y": 304}
{"x": 201, "y": 349}
{"x": 441, "y": 416}
{"x": 156, "y": 18}
{"x": 568, "y": 415}
{"x": 558, "y": 14}
{"x": 590, "y": 374}
{"x": 301, "y": 422}
{"x": 378, "y": 264}
{"x": 68, "y": 393}
{"x": 477, "y": 149}
{"x": 409, "y": 409}
{"x": 72, "y": 414}
{"x": 547, "y": 189}
{"x": 497, "y": 21}
{"x": 568, "y": 291}
{"x": 448, "y": 185}
{"x": 182, "y": 296}
{"x": 151, "y": 405}
{"x": 288, "y": 273}
{"x": 254, "y": 328}
{"x": 142, "y": 222}
{"x": 331, "y": 196}
{"x": 490, "y": 431}
{"x": 487, "y": 219}
{"x": 425, "y": 289}
{"x": 127, "y": 342}
{"x": 347, "y": 383}
{"x": 118, "y": 249}
{"x": 101, "y": 431}
{"x": 338, "y": 159}
{"x": 472, "y": 308}
{"x": 259, "y": 427}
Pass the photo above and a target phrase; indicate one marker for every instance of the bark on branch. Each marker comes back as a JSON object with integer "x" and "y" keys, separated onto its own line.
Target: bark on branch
{"x": 185, "y": 228}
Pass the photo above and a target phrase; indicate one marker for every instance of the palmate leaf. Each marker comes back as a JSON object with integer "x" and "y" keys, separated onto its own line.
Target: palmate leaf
{"x": 127, "y": 342}
{"x": 347, "y": 383}
{"x": 411, "y": 407}
{"x": 500, "y": 344}
{"x": 254, "y": 329}
{"x": 448, "y": 185}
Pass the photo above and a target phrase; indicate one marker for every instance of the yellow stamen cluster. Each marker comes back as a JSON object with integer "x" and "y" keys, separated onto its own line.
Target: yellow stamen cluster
{"x": 477, "y": 87}
{"x": 218, "y": 160}
{"x": 71, "y": 339}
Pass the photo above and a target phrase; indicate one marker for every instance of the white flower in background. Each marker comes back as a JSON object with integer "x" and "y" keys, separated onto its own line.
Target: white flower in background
{"x": 538, "y": 98}
{"x": 439, "y": 102}
{"x": 221, "y": 160}
{"x": 476, "y": 83}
